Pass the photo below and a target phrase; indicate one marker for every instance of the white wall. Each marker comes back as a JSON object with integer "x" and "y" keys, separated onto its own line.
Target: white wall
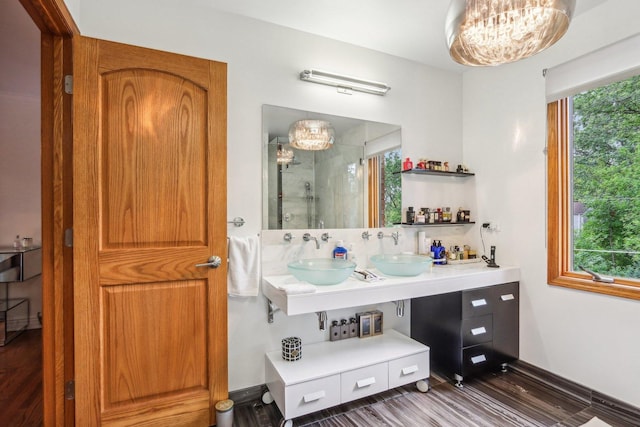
{"x": 263, "y": 66}
{"x": 20, "y": 141}
{"x": 588, "y": 338}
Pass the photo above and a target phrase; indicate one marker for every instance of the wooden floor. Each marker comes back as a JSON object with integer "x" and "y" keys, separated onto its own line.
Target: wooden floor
{"x": 493, "y": 400}
{"x": 21, "y": 381}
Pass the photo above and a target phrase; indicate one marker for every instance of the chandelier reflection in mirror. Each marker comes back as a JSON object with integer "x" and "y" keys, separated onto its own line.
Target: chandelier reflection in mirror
{"x": 493, "y": 32}
{"x": 284, "y": 156}
{"x": 311, "y": 135}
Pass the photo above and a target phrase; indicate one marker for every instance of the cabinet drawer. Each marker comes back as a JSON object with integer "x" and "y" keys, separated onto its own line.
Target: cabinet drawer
{"x": 507, "y": 294}
{"x": 364, "y": 381}
{"x": 408, "y": 369}
{"x": 476, "y": 358}
{"x": 477, "y": 330}
{"x": 311, "y": 396}
{"x": 477, "y": 302}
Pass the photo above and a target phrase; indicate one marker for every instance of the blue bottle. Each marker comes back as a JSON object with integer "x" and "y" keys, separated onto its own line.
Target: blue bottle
{"x": 340, "y": 252}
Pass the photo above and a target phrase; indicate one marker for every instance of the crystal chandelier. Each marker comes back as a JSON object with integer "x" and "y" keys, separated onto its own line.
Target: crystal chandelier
{"x": 493, "y": 32}
{"x": 311, "y": 135}
{"x": 284, "y": 156}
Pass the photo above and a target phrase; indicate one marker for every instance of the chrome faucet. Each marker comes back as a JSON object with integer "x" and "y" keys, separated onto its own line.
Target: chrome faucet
{"x": 306, "y": 237}
{"x": 395, "y": 236}
{"x": 322, "y": 320}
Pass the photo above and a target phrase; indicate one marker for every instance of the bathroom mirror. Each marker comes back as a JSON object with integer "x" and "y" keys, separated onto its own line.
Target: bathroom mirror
{"x": 352, "y": 184}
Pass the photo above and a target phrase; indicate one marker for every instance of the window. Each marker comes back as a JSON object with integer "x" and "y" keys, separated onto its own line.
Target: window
{"x": 385, "y": 189}
{"x": 594, "y": 188}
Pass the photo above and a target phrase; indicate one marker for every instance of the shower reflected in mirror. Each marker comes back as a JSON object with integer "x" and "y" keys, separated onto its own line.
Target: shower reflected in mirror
{"x": 348, "y": 185}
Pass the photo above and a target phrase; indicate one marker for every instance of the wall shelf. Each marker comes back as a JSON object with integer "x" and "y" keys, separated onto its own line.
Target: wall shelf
{"x": 435, "y": 224}
{"x": 435, "y": 172}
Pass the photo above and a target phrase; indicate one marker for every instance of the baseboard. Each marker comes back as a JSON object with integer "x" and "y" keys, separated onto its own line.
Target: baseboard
{"x": 552, "y": 380}
{"x": 246, "y": 395}
{"x": 589, "y": 396}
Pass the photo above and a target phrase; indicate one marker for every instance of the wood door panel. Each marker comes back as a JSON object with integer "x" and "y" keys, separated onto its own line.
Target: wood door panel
{"x": 115, "y": 56}
{"x": 145, "y": 265}
{"x": 192, "y": 412}
{"x": 149, "y": 204}
{"x": 142, "y": 322}
{"x": 154, "y": 176}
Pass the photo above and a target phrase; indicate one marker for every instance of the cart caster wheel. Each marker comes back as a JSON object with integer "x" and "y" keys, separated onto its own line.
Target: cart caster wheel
{"x": 423, "y": 386}
{"x": 286, "y": 423}
{"x": 267, "y": 399}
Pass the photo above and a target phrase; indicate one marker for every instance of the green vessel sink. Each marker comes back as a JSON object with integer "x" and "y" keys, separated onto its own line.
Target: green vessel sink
{"x": 401, "y": 264}
{"x": 322, "y": 271}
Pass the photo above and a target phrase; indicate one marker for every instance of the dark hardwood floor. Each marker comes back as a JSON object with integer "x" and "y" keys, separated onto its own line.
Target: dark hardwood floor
{"x": 21, "y": 381}
{"x": 492, "y": 400}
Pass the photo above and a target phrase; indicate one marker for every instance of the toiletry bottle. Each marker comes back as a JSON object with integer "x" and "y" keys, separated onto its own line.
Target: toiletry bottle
{"x": 340, "y": 252}
{"x": 334, "y": 330}
{"x": 352, "y": 255}
{"x": 344, "y": 329}
{"x": 16, "y": 242}
{"x": 411, "y": 215}
{"x": 422, "y": 238}
{"x": 353, "y": 327}
{"x": 407, "y": 165}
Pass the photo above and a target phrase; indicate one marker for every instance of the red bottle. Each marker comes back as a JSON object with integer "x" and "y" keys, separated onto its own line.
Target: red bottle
{"x": 407, "y": 165}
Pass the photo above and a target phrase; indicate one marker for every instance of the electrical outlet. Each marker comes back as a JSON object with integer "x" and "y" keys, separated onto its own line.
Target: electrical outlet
{"x": 491, "y": 226}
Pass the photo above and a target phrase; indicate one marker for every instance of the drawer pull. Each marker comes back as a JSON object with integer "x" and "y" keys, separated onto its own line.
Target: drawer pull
{"x": 409, "y": 369}
{"x": 479, "y": 302}
{"x": 507, "y": 297}
{"x": 478, "y": 359}
{"x": 366, "y": 382}
{"x": 479, "y": 331}
{"x": 311, "y": 397}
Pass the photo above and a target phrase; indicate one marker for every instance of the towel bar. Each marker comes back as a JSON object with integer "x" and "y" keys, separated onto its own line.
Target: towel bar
{"x": 237, "y": 221}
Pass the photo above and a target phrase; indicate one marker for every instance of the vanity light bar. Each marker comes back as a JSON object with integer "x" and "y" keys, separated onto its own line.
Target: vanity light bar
{"x": 344, "y": 83}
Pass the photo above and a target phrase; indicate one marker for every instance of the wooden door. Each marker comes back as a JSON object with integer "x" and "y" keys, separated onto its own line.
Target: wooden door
{"x": 149, "y": 204}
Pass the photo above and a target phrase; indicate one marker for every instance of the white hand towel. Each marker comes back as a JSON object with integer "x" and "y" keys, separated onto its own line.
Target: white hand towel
{"x": 243, "y": 274}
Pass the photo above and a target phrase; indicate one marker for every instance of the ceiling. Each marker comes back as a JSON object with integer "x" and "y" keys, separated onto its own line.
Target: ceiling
{"x": 411, "y": 29}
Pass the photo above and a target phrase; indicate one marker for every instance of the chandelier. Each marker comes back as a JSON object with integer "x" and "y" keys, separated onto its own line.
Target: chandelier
{"x": 493, "y": 32}
{"x": 311, "y": 135}
{"x": 283, "y": 155}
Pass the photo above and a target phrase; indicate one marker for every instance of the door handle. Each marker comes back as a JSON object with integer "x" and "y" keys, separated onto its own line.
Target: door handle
{"x": 213, "y": 262}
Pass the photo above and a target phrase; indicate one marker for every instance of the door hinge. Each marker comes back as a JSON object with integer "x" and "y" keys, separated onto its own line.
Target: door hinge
{"x": 68, "y": 237}
{"x": 70, "y": 390}
{"x": 68, "y": 84}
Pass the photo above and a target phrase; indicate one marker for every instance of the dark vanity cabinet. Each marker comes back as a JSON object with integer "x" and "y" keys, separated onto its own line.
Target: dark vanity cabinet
{"x": 468, "y": 331}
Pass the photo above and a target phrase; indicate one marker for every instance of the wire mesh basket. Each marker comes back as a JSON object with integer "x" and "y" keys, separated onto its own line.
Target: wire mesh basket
{"x": 291, "y": 349}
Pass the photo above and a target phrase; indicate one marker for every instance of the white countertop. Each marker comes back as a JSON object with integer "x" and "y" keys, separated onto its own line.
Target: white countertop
{"x": 353, "y": 292}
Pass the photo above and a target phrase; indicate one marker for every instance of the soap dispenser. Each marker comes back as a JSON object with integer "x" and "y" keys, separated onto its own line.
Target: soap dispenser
{"x": 340, "y": 252}
{"x": 335, "y": 331}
